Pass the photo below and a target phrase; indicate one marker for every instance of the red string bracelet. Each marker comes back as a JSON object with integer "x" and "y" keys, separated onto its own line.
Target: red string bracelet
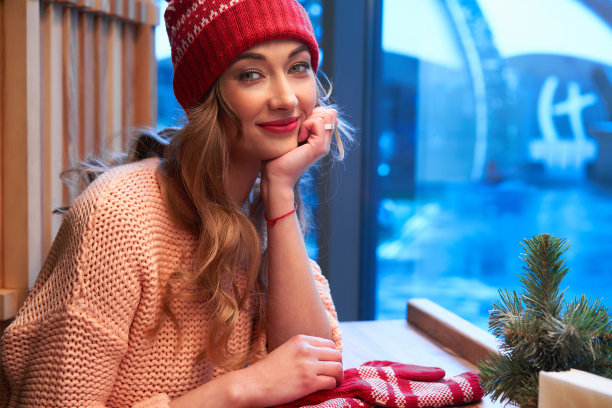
{"x": 275, "y": 220}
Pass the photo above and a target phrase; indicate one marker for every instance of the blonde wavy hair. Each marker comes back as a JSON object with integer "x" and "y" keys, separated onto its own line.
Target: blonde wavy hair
{"x": 194, "y": 162}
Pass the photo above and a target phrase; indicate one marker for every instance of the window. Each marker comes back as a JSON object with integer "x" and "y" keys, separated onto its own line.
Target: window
{"x": 495, "y": 124}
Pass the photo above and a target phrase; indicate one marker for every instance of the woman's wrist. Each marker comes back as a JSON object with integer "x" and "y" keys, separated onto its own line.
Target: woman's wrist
{"x": 276, "y": 185}
{"x": 245, "y": 390}
{"x": 277, "y": 201}
{"x": 227, "y": 390}
{"x": 238, "y": 393}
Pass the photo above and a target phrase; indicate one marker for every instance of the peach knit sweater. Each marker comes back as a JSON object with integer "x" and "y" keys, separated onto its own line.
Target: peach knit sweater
{"x": 79, "y": 340}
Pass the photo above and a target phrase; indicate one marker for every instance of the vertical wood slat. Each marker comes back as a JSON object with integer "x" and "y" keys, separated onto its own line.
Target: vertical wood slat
{"x": 100, "y": 82}
{"x": 87, "y": 85}
{"x": 129, "y": 46}
{"x": 53, "y": 119}
{"x": 22, "y": 190}
{"x": 145, "y": 83}
{"x": 70, "y": 80}
{"x": 68, "y": 69}
{"x": 114, "y": 100}
{"x": 21, "y": 152}
{"x": 1, "y": 138}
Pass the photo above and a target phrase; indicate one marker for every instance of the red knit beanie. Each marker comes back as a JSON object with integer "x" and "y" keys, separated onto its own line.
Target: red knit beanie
{"x": 207, "y": 35}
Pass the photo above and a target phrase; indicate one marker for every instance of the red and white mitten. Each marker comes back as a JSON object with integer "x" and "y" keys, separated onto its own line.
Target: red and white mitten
{"x": 389, "y": 384}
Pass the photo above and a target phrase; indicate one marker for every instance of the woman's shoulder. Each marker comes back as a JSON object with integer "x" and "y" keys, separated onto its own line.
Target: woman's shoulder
{"x": 130, "y": 179}
{"x": 127, "y": 188}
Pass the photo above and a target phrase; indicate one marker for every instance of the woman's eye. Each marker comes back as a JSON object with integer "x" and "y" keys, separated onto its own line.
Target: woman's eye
{"x": 300, "y": 68}
{"x": 250, "y": 75}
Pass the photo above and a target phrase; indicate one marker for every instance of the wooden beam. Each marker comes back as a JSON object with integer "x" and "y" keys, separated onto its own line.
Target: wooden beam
{"x": 451, "y": 331}
{"x": 20, "y": 152}
{"x": 21, "y": 145}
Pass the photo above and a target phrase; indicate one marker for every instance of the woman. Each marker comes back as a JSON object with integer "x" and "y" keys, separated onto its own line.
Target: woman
{"x": 184, "y": 280}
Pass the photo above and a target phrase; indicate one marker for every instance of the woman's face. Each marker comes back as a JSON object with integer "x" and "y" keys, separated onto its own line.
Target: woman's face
{"x": 271, "y": 89}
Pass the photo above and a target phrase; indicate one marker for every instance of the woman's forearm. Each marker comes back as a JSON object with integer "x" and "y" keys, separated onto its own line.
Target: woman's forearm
{"x": 299, "y": 367}
{"x": 295, "y": 305}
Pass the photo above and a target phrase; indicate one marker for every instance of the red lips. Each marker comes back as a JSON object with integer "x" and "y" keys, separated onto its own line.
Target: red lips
{"x": 280, "y": 126}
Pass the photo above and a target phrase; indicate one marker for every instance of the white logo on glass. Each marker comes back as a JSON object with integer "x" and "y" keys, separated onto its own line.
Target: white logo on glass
{"x": 555, "y": 152}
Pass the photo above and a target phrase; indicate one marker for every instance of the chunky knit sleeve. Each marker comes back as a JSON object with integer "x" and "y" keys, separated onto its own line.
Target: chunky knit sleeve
{"x": 324, "y": 292}
{"x": 68, "y": 340}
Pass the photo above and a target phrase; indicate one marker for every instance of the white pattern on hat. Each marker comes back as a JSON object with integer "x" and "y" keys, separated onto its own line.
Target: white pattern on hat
{"x": 204, "y": 19}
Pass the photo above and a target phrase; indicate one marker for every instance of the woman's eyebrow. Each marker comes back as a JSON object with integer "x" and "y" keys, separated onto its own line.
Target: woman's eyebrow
{"x": 250, "y": 55}
{"x": 298, "y": 50}
{"x": 260, "y": 57}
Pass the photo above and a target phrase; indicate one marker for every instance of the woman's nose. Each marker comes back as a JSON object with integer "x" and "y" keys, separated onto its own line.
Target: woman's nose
{"x": 282, "y": 95}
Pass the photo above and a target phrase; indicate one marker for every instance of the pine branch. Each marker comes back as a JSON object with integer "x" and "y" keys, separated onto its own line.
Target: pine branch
{"x": 540, "y": 331}
{"x": 509, "y": 309}
{"x": 544, "y": 272}
{"x": 509, "y": 379}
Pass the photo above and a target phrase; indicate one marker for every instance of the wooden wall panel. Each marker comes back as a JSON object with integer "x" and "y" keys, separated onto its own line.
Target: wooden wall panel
{"x": 68, "y": 69}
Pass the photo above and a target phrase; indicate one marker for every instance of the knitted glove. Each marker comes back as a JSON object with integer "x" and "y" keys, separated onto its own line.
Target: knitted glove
{"x": 388, "y": 384}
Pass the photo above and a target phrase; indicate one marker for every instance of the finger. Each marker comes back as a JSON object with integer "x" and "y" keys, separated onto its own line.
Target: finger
{"x": 326, "y": 382}
{"x": 304, "y": 131}
{"x": 328, "y": 354}
{"x": 311, "y": 129}
{"x": 331, "y": 369}
{"x": 318, "y": 128}
{"x": 329, "y": 115}
{"x": 318, "y": 341}
{"x": 323, "y": 111}
{"x": 329, "y": 119}
{"x": 308, "y": 128}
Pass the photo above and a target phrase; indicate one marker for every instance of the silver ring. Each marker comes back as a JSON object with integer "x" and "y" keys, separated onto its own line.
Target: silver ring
{"x": 330, "y": 126}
